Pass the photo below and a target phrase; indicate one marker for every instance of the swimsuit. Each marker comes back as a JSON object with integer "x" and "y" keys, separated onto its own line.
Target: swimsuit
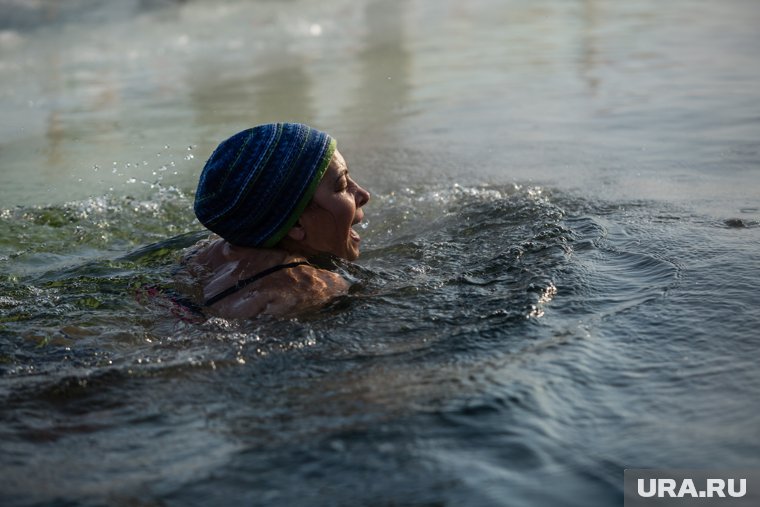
{"x": 187, "y": 311}
{"x": 247, "y": 281}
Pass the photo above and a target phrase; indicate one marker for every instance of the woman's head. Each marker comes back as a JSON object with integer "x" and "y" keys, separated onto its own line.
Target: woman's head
{"x": 326, "y": 223}
{"x": 259, "y": 183}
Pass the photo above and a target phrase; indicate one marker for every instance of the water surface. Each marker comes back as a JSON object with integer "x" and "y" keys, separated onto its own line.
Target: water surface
{"x": 559, "y": 269}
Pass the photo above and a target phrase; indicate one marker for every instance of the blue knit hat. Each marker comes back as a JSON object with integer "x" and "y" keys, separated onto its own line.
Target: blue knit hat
{"x": 257, "y": 183}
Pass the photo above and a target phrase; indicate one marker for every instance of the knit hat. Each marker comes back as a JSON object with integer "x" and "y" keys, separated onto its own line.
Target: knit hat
{"x": 257, "y": 183}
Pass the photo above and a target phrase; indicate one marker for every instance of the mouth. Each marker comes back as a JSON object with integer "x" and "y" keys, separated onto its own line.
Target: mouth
{"x": 355, "y": 235}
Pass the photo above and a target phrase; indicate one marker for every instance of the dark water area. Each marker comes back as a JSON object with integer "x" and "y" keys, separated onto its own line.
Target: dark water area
{"x": 559, "y": 270}
{"x": 497, "y": 339}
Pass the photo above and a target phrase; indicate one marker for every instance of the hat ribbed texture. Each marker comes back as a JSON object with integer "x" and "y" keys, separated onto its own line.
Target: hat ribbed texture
{"x": 257, "y": 183}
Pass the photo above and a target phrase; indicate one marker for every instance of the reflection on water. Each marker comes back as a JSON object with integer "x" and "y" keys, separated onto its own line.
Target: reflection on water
{"x": 558, "y": 277}
{"x": 383, "y": 89}
{"x": 589, "y": 54}
{"x": 553, "y": 91}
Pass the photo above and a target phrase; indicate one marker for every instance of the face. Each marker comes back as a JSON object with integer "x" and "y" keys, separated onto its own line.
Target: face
{"x": 326, "y": 224}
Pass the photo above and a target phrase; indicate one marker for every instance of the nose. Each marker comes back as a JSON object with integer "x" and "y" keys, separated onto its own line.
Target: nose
{"x": 362, "y": 196}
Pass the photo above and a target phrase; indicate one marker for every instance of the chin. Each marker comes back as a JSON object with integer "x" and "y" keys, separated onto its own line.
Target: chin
{"x": 351, "y": 255}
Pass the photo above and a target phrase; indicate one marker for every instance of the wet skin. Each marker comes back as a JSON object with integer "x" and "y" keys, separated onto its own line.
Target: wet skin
{"x": 325, "y": 226}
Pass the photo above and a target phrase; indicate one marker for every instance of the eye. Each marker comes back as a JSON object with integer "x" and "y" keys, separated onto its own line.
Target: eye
{"x": 342, "y": 182}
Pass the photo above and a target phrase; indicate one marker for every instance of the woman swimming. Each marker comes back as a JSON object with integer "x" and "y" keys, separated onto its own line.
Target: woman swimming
{"x": 276, "y": 195}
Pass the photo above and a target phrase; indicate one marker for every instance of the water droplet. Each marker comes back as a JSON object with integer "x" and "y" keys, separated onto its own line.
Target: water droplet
{"x": 315, "y": 30}
{"x": 191, "y": 147}
{"x": 95, "y": 168}
{"x": 189, "y": 156}
{"x": 172, "y": 163}
{"x": 166, "y": 146}
{"x": 131, "y": 180}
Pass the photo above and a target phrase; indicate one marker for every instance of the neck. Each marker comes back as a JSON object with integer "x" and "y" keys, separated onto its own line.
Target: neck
{"x": 294, "y": 247}
{"x": 254, "y": 255}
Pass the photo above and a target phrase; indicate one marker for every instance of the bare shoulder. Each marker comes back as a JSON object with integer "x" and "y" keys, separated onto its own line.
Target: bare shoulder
{"x": 300, "y": 289}
{"x": 203, "y": 252}
{"x": 293, "y": 287}
{"x": 287, "y": 292}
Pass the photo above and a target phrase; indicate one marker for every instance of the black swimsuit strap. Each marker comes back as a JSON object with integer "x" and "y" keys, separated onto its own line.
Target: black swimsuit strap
{"x": 247, "y": 281}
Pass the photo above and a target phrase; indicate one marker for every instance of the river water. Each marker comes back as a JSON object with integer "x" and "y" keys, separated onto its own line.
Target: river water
{"x": 560, "y": 264}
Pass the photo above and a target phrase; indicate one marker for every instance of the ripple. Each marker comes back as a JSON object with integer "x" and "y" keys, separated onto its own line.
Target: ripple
{"x": 475, "y": 309}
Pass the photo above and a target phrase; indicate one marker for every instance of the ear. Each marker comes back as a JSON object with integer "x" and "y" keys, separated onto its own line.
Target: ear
{"x": 297, "y": 232}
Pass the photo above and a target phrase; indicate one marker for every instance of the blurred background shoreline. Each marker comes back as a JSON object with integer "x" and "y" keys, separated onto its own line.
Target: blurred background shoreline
{"x": 640, "y": 100}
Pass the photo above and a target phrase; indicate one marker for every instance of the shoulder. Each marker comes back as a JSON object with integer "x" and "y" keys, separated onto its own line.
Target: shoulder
{"x": 312, "y": 278}
{"x": 286, "y": 292}
{"x": 275, "y": 282}
{"x": 204, "y": 252}
{"x": 301, "y": 289}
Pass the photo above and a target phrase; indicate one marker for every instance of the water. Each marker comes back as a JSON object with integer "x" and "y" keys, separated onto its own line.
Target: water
{"x": 558, "y": 279}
